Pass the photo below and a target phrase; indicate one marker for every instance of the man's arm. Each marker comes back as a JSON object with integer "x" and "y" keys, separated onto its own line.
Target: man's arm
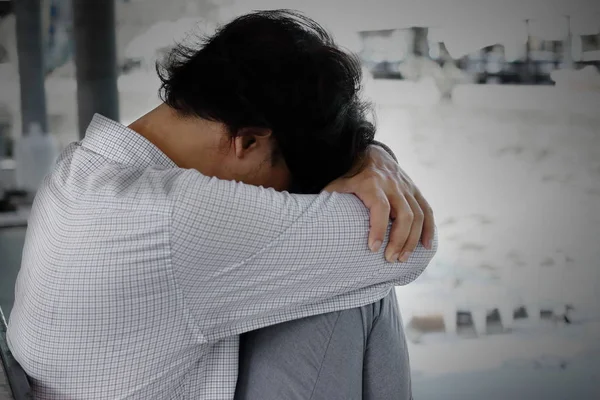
{"x": 243, "y": 253}
{"x": 388, "y": 192}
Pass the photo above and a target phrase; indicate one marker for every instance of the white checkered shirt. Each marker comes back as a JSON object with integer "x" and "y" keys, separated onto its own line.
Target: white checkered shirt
{"x": 138, "y": 276}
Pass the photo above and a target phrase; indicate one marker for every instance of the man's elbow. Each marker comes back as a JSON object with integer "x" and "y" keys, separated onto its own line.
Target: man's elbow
{"x": 418, "y": 262}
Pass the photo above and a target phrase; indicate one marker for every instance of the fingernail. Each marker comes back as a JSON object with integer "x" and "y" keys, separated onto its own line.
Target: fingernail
{"x": 405, "y": 256}
{"x": 375, "y": 246}
{"x": 427, "y": 244}
{"x": 393, "y": 258}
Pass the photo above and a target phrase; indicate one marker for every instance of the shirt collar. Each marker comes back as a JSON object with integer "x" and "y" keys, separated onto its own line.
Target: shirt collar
{"x": 118, "y": 143}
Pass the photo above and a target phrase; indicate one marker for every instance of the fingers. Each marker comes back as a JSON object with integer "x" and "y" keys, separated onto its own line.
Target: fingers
{"x": 428, "y": 221}
{"x": 399, "y": 233}
{"x": 408, "y": 222}
{"x": 379, "y": 209}
{"x": 388, "y": 192}
{"x": 415, "y": 229}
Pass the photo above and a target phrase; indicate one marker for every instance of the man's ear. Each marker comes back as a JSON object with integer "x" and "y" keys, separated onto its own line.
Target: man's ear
{"x": 251, "y": 139}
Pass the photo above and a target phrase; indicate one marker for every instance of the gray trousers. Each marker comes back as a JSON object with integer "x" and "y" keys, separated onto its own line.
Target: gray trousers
{"x": 352, "y": 354}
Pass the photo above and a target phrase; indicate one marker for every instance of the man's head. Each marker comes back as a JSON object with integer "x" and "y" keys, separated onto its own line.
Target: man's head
{"x": 277, "y": 99}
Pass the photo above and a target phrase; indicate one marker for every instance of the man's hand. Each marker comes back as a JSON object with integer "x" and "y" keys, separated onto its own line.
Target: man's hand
{"x": 388, "y": 192}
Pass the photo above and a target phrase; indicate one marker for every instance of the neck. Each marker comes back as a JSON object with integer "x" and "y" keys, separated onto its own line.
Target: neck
{"x": 186, "y": 141}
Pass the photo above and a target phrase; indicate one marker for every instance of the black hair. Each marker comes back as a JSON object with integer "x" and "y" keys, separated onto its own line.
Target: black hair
{"x": 279, "y": 70}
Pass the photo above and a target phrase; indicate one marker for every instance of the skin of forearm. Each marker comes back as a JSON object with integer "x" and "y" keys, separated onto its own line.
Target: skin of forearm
{"x": 386, "y": 148}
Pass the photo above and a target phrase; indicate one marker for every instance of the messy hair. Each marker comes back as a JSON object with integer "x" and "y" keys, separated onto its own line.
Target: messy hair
{"x": 278, "y": 70}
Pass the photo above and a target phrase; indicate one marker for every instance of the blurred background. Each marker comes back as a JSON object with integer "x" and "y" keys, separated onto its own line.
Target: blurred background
{"x": 491, "y": 106}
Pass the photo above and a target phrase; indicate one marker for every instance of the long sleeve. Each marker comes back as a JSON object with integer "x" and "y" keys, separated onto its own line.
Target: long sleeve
{"x": 243, "y": 255}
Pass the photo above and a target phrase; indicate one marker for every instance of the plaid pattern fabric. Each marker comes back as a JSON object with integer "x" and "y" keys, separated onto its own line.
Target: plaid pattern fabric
{"x": 138, "y": 276}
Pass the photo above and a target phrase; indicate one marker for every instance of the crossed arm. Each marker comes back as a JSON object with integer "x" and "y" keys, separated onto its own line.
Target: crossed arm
{"x": 243, "y": 254}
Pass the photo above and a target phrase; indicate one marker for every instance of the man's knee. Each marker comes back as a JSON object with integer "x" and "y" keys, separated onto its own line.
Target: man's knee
{"x": 323, "y": 355}
{"x": 386, "y": 366}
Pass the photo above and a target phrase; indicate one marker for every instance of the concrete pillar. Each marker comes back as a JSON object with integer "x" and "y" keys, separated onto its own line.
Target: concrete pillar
{"x": 30, "y": 50}
{"x": 95, "y": 60}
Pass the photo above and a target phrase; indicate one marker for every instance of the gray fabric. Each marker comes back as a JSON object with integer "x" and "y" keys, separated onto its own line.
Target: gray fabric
{"x": 347, "y": 355}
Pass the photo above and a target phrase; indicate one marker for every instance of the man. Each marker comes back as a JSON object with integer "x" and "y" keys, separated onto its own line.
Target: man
{"x": 151, "y": 248}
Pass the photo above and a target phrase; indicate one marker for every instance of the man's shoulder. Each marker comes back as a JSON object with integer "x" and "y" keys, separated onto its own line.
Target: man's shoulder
{"x": 88, "y": 179}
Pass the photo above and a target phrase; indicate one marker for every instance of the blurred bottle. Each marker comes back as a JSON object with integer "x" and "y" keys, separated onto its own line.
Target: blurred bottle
{"x": 35, "y": 155}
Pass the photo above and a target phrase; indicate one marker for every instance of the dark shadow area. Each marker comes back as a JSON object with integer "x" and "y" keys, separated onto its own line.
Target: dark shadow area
{"x": 11, "y": 247}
